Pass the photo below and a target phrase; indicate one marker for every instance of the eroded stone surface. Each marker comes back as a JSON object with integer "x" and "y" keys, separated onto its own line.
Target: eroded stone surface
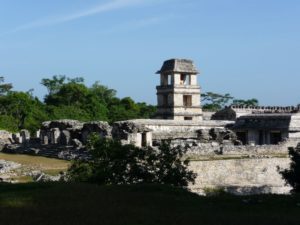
{"x": 241, "y": 176}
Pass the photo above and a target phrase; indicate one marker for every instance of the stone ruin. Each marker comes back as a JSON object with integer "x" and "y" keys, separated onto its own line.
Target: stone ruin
{"x": 71, "y": 132}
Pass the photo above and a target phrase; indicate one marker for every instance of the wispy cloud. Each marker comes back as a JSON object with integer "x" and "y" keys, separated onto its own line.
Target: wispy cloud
{"x": 105, "y": 7}
{"x": 138, "y": 24}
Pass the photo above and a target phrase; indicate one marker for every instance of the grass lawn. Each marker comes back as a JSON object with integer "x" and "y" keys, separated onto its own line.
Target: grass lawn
{"x": 47, "y": 165}
{"x": 84, "y": 204}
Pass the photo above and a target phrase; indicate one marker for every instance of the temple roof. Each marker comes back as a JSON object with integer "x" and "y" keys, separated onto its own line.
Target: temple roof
{"x": 179, "y": 66}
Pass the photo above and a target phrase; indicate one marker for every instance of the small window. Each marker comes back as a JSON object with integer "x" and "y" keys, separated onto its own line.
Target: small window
{"x": 188, "y": 118}
{"x": 185, "y": 79}
{"x": 187, "y": 100}
{"x": 170, "y": 80}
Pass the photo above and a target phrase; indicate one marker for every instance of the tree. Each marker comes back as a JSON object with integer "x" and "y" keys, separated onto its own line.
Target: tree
{"x": 4, "y": 88}
{"x": 27, "y": 111}
{"x": 114, "y": 163}
{"x": 53, "y": 85}
{"x": 292, "y": 175}
{"x": 213, "y": 101}
{"x": 249, "y": 102}
{"x": 103, "y": 93}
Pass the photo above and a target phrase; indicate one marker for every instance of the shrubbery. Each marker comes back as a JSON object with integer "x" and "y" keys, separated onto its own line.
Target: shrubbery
{"x": 114, "y": 163}
{"x": 292, "y": 175}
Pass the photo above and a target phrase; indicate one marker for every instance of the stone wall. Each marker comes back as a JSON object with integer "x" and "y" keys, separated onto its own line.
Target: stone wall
{"x": 197, "y": 148}
{"x": 241, "y": 176}
{"x": 169, "y": 129}
{"x": 242, "y": 110}
{"x": 5, "y": 138}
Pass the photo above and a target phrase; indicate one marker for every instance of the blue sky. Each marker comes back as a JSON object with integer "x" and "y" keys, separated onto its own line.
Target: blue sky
{"x": 248, "y": 48}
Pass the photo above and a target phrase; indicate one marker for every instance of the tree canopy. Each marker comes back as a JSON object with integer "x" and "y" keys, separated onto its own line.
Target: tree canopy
{"x": 67, "y": 98}
{"x": 214, "y": 101}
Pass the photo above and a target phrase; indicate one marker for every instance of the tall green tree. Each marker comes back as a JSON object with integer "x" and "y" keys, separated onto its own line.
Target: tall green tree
{"x": 24, "y": 108}
{"x": 54, "y": 84}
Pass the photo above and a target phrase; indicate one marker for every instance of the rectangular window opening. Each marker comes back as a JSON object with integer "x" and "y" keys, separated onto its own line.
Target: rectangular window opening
{"x": 170, "y": 82}
{"x": 185, "y": 79}
{"x": 187, "y": 100}
{"x": 188, "y": 118}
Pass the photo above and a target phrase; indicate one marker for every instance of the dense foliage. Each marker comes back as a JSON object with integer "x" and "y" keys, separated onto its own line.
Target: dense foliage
{"x": 114, "y": 163}
{"x": 292, "y": 175}
{"x": 66, "y": 99}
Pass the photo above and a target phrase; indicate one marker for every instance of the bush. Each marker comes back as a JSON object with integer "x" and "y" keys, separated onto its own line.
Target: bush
{"x": 114, "y": 163}
{"x": 292, "y": 175}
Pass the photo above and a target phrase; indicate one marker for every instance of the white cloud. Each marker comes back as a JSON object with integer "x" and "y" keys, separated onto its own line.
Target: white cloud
{"x": 106, "y": 7}
{"x": 137, "y": 24}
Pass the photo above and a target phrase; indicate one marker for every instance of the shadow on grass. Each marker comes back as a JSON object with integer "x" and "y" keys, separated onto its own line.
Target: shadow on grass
{"x": 56, "y": 203}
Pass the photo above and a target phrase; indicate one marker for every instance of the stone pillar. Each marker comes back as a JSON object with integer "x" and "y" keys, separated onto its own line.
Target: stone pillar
{"x": 55, "y": 136}
{"x": 25, "y": 135}
{"x": 149, "y": 138}
{"x": 38, "y": 134}
{"x": 65, "y": 137}
{"x": 17, "y": 138}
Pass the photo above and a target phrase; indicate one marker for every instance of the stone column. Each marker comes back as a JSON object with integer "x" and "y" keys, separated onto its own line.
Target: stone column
{"x": 55, "y": 135}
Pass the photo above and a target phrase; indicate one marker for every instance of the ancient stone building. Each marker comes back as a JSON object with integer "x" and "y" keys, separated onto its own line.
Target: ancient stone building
{"x": 253, "y": 140}
{"x": 178, "y": 95}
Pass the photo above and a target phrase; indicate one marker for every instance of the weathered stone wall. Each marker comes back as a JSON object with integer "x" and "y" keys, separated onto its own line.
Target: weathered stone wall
{"x": 169, "y": 129}
{"x": 5, "y": 138}
{"x": 207, "y": 115}
{"x": 241, "y": 176}
{"x": 197, "y": 148}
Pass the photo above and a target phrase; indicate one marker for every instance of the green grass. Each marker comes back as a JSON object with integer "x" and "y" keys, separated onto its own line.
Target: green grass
{"x": 46, "y": 165}
{"x": 84, "y": 204}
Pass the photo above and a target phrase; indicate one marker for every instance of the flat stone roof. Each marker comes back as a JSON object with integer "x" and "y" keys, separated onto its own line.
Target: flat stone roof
{"x": 179, "y": 66}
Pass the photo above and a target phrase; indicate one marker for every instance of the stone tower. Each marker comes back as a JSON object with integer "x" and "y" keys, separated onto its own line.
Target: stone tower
{"x": 178, "y": 95}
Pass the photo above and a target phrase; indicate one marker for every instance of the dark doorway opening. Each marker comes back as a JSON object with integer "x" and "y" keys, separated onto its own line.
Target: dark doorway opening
{"x": 275, "y": 137}
{"x": 261, "y": 137}
{"x": 242, "y": 136}
{"x": 144, "y": 139}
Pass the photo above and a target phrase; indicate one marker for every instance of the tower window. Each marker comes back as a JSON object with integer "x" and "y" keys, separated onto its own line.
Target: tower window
{"x": 170, "y": 79}
{"x": 185, "y": 79}
{"x": 187, "y": 100}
